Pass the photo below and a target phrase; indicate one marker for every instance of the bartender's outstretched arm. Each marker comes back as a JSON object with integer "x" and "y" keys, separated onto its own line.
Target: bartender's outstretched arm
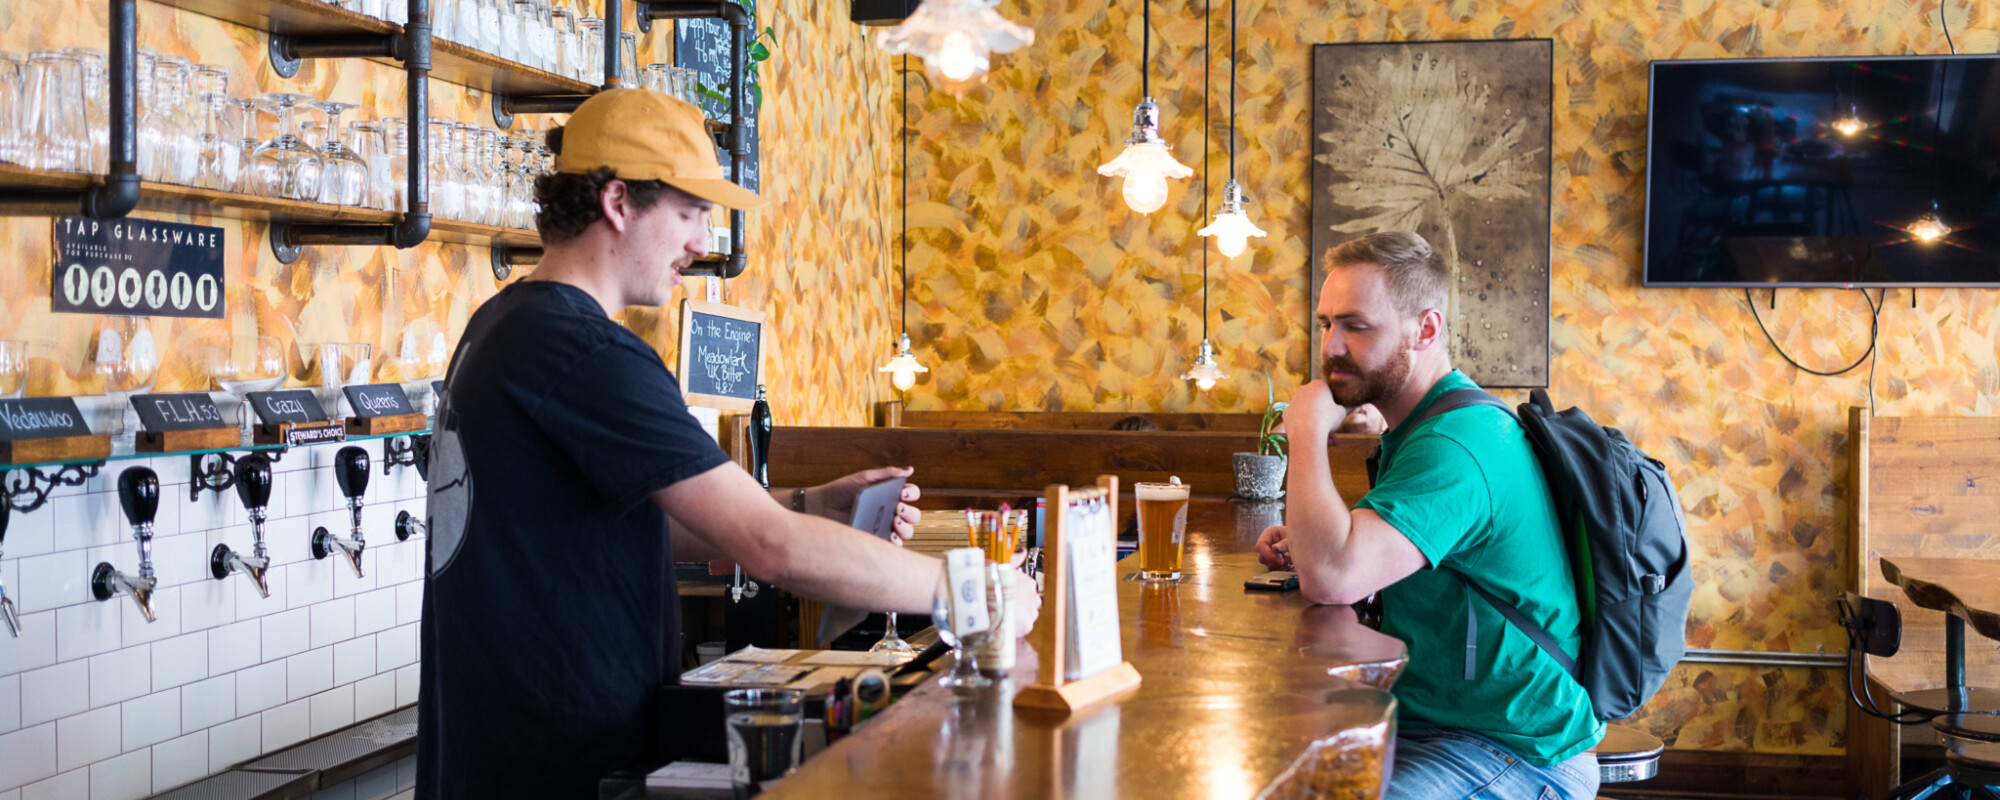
{"x": 807, "y": 554}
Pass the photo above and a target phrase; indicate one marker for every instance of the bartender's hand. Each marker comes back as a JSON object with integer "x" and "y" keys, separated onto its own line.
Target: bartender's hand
{"x": 835, "y": 500}
{"x": 1272, "y": 549}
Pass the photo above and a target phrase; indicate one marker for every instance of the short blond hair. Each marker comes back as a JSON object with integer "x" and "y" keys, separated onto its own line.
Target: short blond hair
{"x": 1416, "y": 273}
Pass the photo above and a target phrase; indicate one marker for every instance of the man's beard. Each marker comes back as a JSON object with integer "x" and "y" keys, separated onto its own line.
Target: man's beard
{"x": 1367, "y": 386}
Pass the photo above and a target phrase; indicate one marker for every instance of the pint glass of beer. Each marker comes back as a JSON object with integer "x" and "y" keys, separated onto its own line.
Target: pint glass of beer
{"x": 1162, "y": 520}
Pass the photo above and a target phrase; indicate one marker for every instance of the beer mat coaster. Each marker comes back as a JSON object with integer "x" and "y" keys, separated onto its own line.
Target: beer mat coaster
{"x": 856, "y": 658}
{"x": 690, "y": 775}
{"x": 1133, "y": 577}
{"x": 758, "y": 655}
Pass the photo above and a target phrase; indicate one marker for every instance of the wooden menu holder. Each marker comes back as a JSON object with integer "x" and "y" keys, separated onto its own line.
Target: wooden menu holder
{"x": 183, "y": 441}
{"x": 1051, "y": 690}
{"x": 373, "y": 426}
{"x": 63, "y": 448}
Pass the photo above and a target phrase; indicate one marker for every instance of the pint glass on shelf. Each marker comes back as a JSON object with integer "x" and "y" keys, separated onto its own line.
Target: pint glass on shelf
{"x": 1162, "y": 520}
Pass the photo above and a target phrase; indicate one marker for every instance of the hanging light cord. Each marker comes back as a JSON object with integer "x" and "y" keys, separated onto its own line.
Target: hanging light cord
{"x": 903, "y": 134}
{"x": 1874, "y": 329}
{"x": 1206, "y": 61}
{"x": 1146, "y": 53}
{"x": 1232, "y": 90}
{"x": 1947, "y": 29}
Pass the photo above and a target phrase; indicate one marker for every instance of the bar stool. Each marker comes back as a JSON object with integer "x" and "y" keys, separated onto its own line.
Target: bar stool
{"x": 1628, "y": 754}
{"x": 1971, "y": 753}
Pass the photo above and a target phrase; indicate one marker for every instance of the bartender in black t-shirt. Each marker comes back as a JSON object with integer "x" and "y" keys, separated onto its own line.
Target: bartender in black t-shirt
{"x": 562, "y": 449}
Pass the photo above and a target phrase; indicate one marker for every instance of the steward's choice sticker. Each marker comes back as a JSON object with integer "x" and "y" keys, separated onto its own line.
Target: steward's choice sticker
{"x": 140, "y": 267}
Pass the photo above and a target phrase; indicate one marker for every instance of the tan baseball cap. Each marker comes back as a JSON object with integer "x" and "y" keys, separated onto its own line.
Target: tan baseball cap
{"x": 644, "y": 135}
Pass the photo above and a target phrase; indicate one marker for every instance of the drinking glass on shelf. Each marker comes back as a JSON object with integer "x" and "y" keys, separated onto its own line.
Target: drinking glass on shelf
{"x": 128, "y": 362}
{"x": 567, "y": 58}
{"x": 285, "y": 167}
{"x": 10, "y": 99}
{"x": 489, "y": 26}
{"x": 545, "y": 36}
{"x": 364, "y": 138}
{"x": 53, "y": 125}
{"x": 471, "y": 163}
{"x": 95, "y": 84}
{"x": 13, "y": 369}
{"x": 654, "y": 76}
{"x": 963, "y": 675}
{"x": 342, "y": 364}
{"x": 343, "y": 177}
{"x": 219, "y": 160}
{"x": 628, "y": 58}
{"x": 447, "y": 192}
{"x": 509, "y": 42}
{"x": 247, "y": 141}
{"x": 240, "y": 365}
{"x": 179, "y": 152}
{"x": 396, "y": 149}
{"x": 592, "y": 50}
{"x": 421, "y": 359}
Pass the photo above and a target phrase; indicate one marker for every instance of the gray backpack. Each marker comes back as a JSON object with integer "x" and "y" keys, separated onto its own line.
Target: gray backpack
{"x": 1627, "y": 542}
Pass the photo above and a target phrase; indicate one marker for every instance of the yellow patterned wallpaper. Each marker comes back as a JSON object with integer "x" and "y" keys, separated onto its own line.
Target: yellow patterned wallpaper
{"x": 816, "y": 257}
{"x": 1039, "y": 290}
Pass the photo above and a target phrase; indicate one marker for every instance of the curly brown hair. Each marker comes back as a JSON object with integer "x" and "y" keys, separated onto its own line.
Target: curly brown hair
{"x": 569, "y": 200}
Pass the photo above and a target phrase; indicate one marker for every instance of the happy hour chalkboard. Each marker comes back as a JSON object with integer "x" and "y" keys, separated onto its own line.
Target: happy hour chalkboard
{"x": 703, "y": 46}
{"x": 721, "y": 355}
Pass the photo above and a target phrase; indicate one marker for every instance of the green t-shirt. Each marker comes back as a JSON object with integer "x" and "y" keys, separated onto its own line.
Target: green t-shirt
{"x": 1466, "y": 489}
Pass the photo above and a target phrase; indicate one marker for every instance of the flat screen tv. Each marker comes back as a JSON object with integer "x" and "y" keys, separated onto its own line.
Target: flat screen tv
{"x": 1815, "y": 172}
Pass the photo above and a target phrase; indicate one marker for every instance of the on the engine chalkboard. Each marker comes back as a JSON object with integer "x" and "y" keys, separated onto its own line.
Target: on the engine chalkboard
{"x": 721, "y": 355}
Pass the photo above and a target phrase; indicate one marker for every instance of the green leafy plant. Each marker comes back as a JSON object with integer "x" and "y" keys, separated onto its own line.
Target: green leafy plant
{"x": 1268, "y": 443}
{"x": 759, "y": 51}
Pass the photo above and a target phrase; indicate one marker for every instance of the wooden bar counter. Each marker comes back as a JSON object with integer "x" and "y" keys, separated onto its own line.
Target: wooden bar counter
{"x": 1237, "y": 685}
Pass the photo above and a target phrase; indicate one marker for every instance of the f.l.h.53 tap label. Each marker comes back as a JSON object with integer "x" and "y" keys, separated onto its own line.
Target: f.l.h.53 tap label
{"x": 139, "y": 267}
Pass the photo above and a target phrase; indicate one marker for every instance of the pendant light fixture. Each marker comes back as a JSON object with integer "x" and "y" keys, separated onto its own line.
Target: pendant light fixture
{"x": 1204, "y": 371}
{"x": 1145, "y": 164}
{"x": 955, "y": 39}
{"x": 903, "y": 367}
{"x": 1850, "y": 124}
{"x": 1232, "y": 228}
{"x": 1929, "y": 228}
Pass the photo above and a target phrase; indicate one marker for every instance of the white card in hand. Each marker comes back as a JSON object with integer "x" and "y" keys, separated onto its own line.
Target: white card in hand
{"x": 965, "y": 577}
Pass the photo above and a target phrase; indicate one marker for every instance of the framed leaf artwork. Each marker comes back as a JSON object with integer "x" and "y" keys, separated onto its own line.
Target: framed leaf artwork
{"x": 1450, "y": 140}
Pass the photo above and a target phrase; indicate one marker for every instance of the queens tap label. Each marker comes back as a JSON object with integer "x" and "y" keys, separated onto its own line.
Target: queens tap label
{"x": 378, "y": 400}
{"x": 137, "y": 266}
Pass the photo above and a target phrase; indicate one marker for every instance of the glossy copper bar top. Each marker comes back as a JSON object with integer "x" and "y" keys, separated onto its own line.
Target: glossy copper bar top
{"x": 1237, "y": 685}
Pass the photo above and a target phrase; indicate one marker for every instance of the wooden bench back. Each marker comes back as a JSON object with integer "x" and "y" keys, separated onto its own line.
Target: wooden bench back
{"x": 1030, "y": 460}
{"x": 1928, "y": 487}
{"x": 1076, "y": 420}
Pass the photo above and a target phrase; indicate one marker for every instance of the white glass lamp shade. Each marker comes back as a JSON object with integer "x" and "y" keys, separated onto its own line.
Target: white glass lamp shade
{"x": 903, "y": 368}
{"x": 1203, "y": 371}
{"x": 1146, "y": 163}
{"x": 956, "y": 38}
{"x": 1232, "y": 227}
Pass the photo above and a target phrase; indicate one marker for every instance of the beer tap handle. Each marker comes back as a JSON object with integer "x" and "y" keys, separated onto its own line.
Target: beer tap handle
{"x": 760, "y": 439}
{"x": 253, "y": 481}
{"x": 139, "y": 493}
{"x": 350, "y": 468}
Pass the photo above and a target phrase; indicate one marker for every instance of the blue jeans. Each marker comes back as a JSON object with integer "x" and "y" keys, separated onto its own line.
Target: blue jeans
{"x": 1445, "y": 763}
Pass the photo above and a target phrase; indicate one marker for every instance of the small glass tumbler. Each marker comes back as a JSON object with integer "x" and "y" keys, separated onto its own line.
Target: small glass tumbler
{"x": 765, "y": 727}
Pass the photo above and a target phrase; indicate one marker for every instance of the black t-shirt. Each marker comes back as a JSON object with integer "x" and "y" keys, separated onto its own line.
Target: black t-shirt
{"x": 550, "y": 614}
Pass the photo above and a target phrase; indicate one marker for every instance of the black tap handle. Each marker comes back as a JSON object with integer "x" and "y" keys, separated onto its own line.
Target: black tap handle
{"x": 760, "y": 439}
{"x": 139, "y": 492}
{"x": 253, "y": 481}
{"x": 6, "y": 510}
{"x": 350, "y": 467}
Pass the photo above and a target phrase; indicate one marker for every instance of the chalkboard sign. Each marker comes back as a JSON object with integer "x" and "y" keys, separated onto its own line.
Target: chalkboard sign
{"x": 721, "y": 355}
{"x": 378, "y": 400}
{"x": 137, "y": 266}
{"x": 190, "y": 411}
{"x": 40, "y": 418}
{"x": 297, "y": 406}
{"x": 703, "y": 46}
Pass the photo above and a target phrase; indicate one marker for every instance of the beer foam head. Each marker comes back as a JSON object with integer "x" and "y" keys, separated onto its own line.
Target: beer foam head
{"x": 1160, "y": 491}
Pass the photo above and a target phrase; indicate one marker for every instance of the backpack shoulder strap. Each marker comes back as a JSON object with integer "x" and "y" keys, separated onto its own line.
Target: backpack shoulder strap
{"x": 1451, "y": 400}
{"x": 1520, "y": 620}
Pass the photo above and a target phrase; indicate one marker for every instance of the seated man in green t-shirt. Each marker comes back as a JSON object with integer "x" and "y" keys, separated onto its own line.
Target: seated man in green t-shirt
{"x": 1459, "y": 498}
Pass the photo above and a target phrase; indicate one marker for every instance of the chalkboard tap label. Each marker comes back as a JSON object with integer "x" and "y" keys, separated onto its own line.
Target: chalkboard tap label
{"x": 28, "y": 418}
{"x": 187, "y": 411}
{"x": 296, "y": 406}
{"x": 378, "y": 400}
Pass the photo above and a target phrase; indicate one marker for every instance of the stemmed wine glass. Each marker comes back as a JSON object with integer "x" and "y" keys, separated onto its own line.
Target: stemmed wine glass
{"x": 128, "y": 361}
{"x": 285, "y": 167}
{"x": 240, "y": 365}
{"x": 964, "y": 675}
{"x": 892, "y": 639}
{"x": 343, "y": 177}
{"x": 219, "y": 160}
{"x": 420, "y": 360}
{"x": 247, "y": 143}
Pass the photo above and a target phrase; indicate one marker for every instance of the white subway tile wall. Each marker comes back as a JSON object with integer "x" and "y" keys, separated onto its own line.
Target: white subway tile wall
{"x": 96, "y": 702}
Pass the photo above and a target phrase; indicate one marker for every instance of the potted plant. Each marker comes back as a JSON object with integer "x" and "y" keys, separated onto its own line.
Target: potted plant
{"x": 1261, "y": 475}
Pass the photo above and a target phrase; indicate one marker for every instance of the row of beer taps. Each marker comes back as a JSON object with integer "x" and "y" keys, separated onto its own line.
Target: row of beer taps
{"x": 139, "y": 495}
